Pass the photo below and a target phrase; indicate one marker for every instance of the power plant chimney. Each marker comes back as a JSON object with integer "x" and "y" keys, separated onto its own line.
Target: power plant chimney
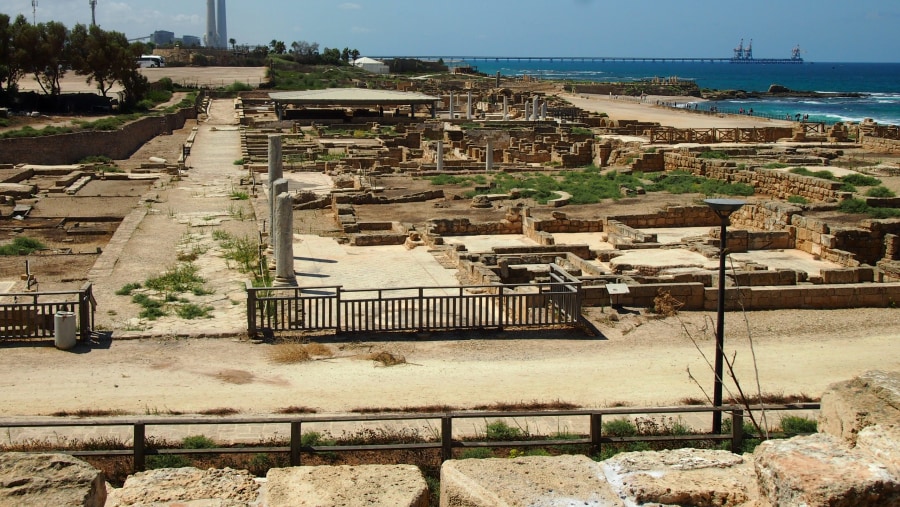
{"x": 211, "y": 37}
{"x": 221, "y": 27}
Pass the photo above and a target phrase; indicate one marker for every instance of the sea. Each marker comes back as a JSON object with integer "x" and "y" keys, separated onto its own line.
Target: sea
{"x": 878, "y": 83}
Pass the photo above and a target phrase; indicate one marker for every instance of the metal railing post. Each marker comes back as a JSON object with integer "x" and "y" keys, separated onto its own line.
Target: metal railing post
{"x": 737, "y": 430}
{"x": 296, "y": 444}
{"x": 421, "y": 326}
{"x": 337, "y": 310}
{"x": 251, "y": 311}
{"x": 140, "y": 463}
{"x": 446, "y": 438}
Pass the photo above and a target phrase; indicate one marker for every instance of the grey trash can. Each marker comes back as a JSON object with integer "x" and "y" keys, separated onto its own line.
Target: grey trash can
{"x": 64, "y": 331}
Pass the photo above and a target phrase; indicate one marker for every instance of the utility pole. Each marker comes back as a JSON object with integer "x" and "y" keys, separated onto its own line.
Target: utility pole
{"x": 93, "y": 12}
{"x": 34, "y": 12}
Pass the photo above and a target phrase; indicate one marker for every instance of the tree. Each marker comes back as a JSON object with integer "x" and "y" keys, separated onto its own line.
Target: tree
{"x": 345, "y": 55}
{"x": 104, "y": 57}
{"x": 233, "y": 43}
{"x": 278, "y": 47}
{"x": 49, "y": 55}
{"x": 331, "y": 56}
{"x": 354, "y": 54}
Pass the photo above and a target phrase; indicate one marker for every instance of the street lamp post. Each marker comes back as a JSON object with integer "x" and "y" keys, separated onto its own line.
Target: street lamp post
{"x": 723, "y": 208}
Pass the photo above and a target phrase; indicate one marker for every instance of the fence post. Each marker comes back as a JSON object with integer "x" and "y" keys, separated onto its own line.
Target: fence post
{"x": 139, "y": 443}
{"x": 251, "y": 311}
{"x": 501, "y": 308}
{"x": 337, "y": 309}
{"x": 295, "y": 443}
{"x": 737, "y": 430}
{"x": 421, "y": 326}
{"x": 596, "y": 430}
{"x": 446, "y": 438}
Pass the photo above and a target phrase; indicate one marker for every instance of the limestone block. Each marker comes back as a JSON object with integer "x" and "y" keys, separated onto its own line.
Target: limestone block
{"x": 535, "y": 480}
{"x": 848, "y": 407}
{"x": 49, "y": 479}
{"x": 682, "y": 477}
{"x": 882, "y": 443}
{"x": 188, "y": 485}
{"x": 347, "y": 486}
{"x": 822, "y": 470}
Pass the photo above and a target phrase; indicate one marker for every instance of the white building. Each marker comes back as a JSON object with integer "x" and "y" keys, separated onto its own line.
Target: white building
{"x": 370, "y": 65}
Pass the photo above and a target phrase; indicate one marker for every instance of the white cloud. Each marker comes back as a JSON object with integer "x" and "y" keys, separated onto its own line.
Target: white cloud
{"x": 349, "y": 6}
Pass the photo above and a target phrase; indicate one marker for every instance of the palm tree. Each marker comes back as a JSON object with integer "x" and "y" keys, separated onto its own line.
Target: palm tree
{"x": 232, "y": 41}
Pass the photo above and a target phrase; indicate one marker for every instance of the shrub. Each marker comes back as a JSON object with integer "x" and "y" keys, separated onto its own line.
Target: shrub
{"x": 182, "y": 278}
{"x": 127, "y": 289}
{"x": 197, "y": 442}
{"x": 880, "y": 191}
{"x": 167, "y": 461}
{"x": 718, "y": 155}
{"x": 476, "y": 453}
{"x": 775, "y": 165}
{"x": 499, "y": 430}
{"x": 22, "y": 245}
{"x": 191, "y": 311}
{"x": 238, "y": 86}
{"x": 798, "y": 199}
{"x": 861, "y": 180}
{"x": 853, "y": 206}
{"x": 794, "y": 425}
{"x": 619, "y": 428}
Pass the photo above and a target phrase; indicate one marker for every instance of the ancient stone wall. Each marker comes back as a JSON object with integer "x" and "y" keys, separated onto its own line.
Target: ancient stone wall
{"x": 673, "y": 216}
{"x": 873, "y": 142}
{"x": 70, "y": 148}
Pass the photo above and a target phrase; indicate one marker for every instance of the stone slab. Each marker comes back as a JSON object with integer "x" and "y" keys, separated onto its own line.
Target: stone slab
{"x": 526, "y": 481}
{"x": 822, "y": 471}
{"x": 49, "y": 479}
{"x": 347, "y": 486}
{"x": 187, "y": 486}
{"x": 682, "y": 477}
{"x": 871, "y": 398}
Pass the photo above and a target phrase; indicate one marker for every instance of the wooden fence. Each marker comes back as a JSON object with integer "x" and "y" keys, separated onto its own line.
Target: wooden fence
{"x": 31, "y": 314}
{"x": 671, "y": 135}
{"x": 444, "y": 441}
{"x": 415, "y": 308}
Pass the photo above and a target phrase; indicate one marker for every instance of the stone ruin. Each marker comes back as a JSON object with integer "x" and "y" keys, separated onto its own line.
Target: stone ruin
{"x": 853, "y": 460}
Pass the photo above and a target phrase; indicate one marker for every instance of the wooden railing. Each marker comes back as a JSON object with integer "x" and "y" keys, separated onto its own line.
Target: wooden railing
{"x": 443, "y": 441}
{"x": 671, "y": 135}
{"x": 415, "y": 308}
{"x": 31, "y": 314}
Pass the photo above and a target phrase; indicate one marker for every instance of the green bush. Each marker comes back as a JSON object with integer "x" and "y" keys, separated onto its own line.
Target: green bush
{"x": 476, "y": 453}
{"x": 22, "y": 245}
{"x": 499, "y": 430}
{"x": 619, "y": 428}
{"x": 798, "y": 199}
{"x": 775, "y": 165}
{"x": 181, "y": 278}
{"x": 197, "y": 442}
{"x": 717, "y": 155}
{"x": 861, "y": 180}
{"x": 191, "y": 311}
{"x": 167, "y": 461}
{"x": 238, "y": 86}
{"x": 853, "y": 206}
{"x": 794, "y": 425}
{"x": 880, "y": 191}
{"x": 127, "y": 289}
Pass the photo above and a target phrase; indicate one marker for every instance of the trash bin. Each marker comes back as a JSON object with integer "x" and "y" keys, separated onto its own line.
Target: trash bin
{"x": 64, "y": 334}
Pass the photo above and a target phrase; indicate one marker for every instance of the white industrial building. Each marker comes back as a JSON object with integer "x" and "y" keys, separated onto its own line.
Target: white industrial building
{"x": 370, "y": 65}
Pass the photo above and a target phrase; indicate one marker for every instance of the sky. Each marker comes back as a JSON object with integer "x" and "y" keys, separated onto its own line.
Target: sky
{"x": 826, "y": 30}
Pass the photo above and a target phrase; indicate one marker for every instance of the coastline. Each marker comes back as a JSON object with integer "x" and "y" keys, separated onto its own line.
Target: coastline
{"x": 632, "y": 108}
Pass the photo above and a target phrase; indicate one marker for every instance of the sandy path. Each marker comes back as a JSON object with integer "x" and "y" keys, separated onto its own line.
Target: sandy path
{"x": 642, "y": 362}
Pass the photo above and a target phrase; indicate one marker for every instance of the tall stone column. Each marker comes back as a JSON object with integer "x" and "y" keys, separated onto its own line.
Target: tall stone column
{"x": 440, "y": 155}
{"x": 469, "y": 106}
{"x": 276, "y": 188}
{"x": 451, "y": 105}
{"x": 505, "y": 108}
{"x": 276, "y": 171}
{"x": 534, "y": 108}
{"x": 489, "y": 156}
{"x": 284, "y": 231}
{"x": 526, "y": 117}
{"x": 544, "y": 111}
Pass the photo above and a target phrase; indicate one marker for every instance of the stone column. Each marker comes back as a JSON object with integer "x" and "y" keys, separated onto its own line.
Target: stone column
{"x": 544, "y": 111}
{"x": 489, "y": 156}
{"x": 276, "y": 171}
{"x": 440, "y": 155}
{"x": 527, "y": 105}
{"x": 284, "y": 231}
{"x": 534, "y": 108}
{"x": 451, "y": 105}
{"x": 276, "y": 188}
{"x": 505, "y": 108}
{"x": 469, "y": 106}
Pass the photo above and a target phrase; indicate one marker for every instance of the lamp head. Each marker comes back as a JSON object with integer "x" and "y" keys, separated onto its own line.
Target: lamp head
{"x": 724, "y": 207}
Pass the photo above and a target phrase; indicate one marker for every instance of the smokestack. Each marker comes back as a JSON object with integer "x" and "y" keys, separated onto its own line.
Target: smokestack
{"x": 221, "y": 27}
{"x": 212, "y": 39}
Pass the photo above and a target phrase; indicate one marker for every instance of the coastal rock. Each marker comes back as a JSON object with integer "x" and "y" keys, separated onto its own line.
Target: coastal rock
{"x": 777, "y": 88}
{"x": 49, "y": 479}
{"x": 164, "y": 486}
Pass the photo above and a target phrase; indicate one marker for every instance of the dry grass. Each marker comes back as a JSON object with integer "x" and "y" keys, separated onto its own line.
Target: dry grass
{"x": 296, "y": 409}
{"x": 386, "y": 358}
{"x": 422, "y": 409}
{"x": 527, "y": 405}
{"x": 291, "y": 353}
{"x": 89, "y": 412}
{"x": 219, "y": 411}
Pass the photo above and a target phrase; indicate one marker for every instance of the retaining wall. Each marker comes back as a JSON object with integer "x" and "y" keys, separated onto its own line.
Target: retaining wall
{"x": 70, "y": 148}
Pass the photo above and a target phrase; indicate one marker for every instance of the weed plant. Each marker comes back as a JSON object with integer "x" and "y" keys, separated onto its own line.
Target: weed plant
{"x": 22, "y": 245}
{"x": 880, "y": 191}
